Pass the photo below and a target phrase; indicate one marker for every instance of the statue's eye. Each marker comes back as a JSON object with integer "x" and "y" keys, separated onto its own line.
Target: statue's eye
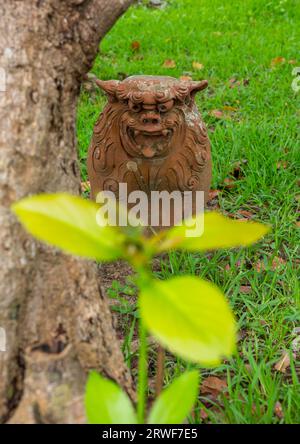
{"x": 166, "y": 106}
{"x": 135, "y": 107}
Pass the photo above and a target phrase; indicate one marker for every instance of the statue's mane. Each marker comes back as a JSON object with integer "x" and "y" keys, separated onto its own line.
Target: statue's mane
{"x": 105, "y": 140}
{"x": 187, "y": 163}
{"x": 176, "y": 91}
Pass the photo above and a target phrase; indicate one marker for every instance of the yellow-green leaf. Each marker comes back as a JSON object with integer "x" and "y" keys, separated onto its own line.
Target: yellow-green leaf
{"x": 190, "y": 317}
{"x": 215, "y": 231}
{"x": 176, "y": 401}
{"x": 106, "y": 403}
{"x": 69, "y": 222}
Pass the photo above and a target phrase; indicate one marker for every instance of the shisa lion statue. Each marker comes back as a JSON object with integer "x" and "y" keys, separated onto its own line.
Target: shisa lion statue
{"x": 151, "y": 137}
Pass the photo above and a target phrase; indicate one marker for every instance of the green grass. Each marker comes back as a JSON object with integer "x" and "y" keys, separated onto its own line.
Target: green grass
{"x": 232, "y": 39}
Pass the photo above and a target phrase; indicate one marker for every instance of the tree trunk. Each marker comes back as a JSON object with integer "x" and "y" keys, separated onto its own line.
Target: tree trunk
{"x": 57, "y": 323}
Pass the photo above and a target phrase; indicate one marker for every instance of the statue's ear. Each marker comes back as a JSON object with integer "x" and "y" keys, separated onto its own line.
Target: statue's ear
{"x": 197, "y": 86}
{"x": 109, "y": 87}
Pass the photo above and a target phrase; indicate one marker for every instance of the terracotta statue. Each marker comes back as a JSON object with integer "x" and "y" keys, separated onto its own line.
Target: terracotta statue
{"x": 150, "y": 136}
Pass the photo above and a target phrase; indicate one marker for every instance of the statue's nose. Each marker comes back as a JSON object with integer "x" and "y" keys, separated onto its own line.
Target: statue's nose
{"x": 151, "y": 119}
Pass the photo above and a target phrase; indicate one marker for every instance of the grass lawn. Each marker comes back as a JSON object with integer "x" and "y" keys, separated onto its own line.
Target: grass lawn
{"x": 248, "y": 49}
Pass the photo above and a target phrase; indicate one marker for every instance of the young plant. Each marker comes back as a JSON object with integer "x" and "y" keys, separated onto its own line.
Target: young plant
{"x": 187, "y": 315}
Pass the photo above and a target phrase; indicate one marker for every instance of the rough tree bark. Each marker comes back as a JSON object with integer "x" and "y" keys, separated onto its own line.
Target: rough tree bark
{"x": 57, "y": 322}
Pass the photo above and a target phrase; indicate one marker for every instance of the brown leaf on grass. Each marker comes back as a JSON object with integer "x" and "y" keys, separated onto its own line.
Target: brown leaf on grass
{"x": 135, "y": 45}
{"x": 169, "y": 63}
{"x": 283, "y": 363}
{"x": 277, "y": 60}
{"x": 246, "y": 214}
{"x": 229, "y": 183}
{"x": 281, "y": 164}
{"x": 85, "y": 186}
{"x": 213, "y": 201}
{"x": 292, "y": 62}
{"x": 233, "y": 83}
{"x": 216, "y": 113}
{"x": 230, "y": 108}
{"x": 197, "y": 65}
{"x": 277, "y": 262}
{"x": 203, "y": 414}
{"x": 212, "y": 194}
{"x": 213, "y": 386}
{"x": 185, "y": 78}
{"x": 242, "y": 334}
{"x": 298, "y": 223}
{"x": 278, "y": 410}
{"x": 245, "y": 289}
{"x": 260, "y": 266}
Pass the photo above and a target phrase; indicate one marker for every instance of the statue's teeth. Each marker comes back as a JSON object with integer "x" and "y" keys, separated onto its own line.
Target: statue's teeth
{"x": 136, "y": 132}
{"x": 165, "y": 132}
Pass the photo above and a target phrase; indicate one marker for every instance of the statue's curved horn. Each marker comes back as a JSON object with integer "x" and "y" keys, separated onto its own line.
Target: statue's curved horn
{"x": 108, "y": 86}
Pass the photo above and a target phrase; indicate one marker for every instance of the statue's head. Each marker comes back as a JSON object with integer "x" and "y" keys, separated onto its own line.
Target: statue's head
{"x": 150, "y": 112}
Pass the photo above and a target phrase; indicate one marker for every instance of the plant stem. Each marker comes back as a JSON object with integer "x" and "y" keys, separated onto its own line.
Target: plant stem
{"x": 142, "y": 374}
{"x": 160, "y": 366}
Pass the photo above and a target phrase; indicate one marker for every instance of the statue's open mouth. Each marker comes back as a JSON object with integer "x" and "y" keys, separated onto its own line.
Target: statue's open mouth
{"x": 151, "y": 143}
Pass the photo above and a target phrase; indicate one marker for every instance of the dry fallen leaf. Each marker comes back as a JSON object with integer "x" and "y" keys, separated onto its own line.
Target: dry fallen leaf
{"x": 246, "y": 214}
{"x": 185, "y": 78}
{"x": 277, "y": 60}
{"x": 229, "y": 108}
{"x": 260, "y": 266}
{"x": 169, "y": 63}
{"x": 228, "y": 183}
{"x": 212, "y": 194}
{"x": 283, "y": 363}
{"x": 203, "y": 414}
{"x": 292, "y": 62}
{"x": 197, "y": 65}
{"x": 233, "y": 82}
{"x": 213, "y": 386}
{"x": 135, "y": 45}
{"x": 278, "y": 410}
{"x": 245, "y": 289}
{"x": 298, "y": 223}
{"x": 85, "y": 186}
{"x": 277, "y": 262}
{"x": 281, "y": 164}
{"x": 216, "y": 113}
